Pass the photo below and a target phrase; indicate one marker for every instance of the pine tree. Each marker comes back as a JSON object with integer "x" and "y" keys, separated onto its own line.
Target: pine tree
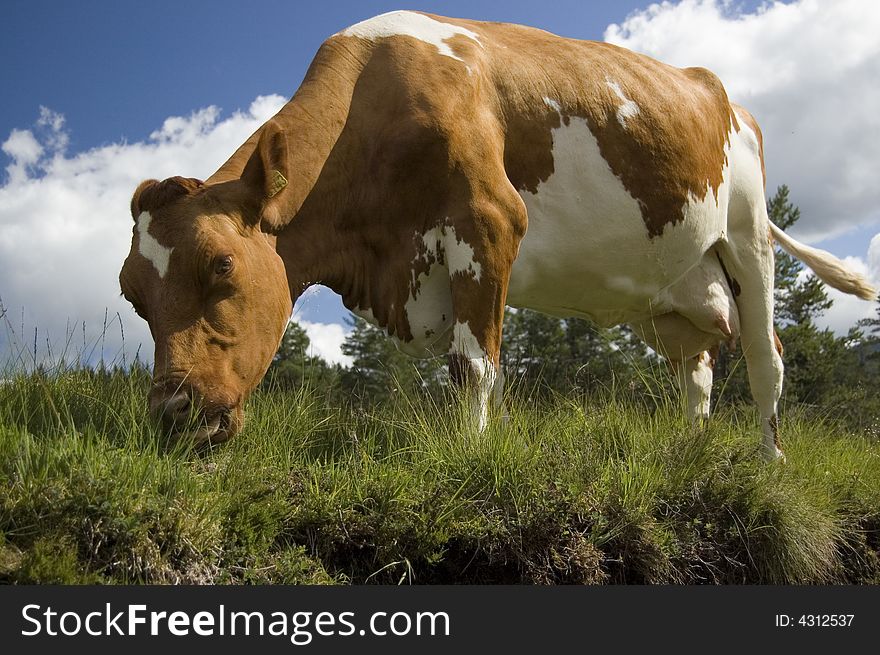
{"x": 294, "y": 343}
{"x": 799, "y": 299}
{"x": 548, "y": 354}
{"x": 292, "y": 366}
{"x": 379, "y": 370}
{"x": 871, "y": 326}
{"x": 866, "y": 342}
{"x": 534, "y": 352}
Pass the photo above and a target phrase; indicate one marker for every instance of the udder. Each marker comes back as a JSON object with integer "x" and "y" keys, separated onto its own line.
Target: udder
{"x": 695, "y": 314}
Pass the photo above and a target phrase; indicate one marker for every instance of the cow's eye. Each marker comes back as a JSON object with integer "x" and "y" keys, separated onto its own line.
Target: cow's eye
{"x": 223, "y": 265}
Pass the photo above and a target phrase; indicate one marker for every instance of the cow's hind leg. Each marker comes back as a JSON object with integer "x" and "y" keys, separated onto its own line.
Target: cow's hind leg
{"x": 691, "y": 353}
{"x": 750, "y": 258}
{"x": 695, "y": 379}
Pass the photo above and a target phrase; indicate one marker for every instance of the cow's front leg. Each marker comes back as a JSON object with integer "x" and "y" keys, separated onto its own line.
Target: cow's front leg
{"x": 480, "y": 252}
{"x": 472, "y": 369}
{"x": 474, "y": 352}
{"x": 484, "y": 226}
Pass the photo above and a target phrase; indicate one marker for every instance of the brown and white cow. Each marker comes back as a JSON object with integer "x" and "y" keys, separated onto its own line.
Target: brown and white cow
{"x": 431, "y": 170}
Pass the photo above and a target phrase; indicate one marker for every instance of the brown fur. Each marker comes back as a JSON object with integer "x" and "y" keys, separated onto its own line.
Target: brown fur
{"x": 151, "y": 195}
{"x": 777, "y": 343}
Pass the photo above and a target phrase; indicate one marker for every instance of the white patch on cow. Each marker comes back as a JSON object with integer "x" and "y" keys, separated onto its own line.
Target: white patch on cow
{"x": 429, "y": 312}
{"x": 418, "y": 26}
{"x": 628, "y": 109}
{"x": 150, "y": 248}
{"x": 711, "y": 201}
{"x": 747, "y": 184}
{"x": 580, "y": 221}
{"x": 587, "y": 251}
{"x": 444, "y": 243}
{"x": 466, "y": 344}
{"x": 460, "y": 256}
{"x": 553, "y": 104}
{"x": 747, "y": 137}
{"x": 429, "y": 306}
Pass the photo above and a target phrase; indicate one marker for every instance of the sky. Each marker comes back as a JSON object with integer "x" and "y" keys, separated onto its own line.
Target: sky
{"x": 100, "y": 95}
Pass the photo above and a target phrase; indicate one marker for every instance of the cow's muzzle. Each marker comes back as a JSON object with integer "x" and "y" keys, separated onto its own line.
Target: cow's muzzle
{"x": 183, "y": 413}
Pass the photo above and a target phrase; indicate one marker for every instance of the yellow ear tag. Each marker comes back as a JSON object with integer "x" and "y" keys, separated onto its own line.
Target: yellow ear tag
{"x": 278, "y": 183}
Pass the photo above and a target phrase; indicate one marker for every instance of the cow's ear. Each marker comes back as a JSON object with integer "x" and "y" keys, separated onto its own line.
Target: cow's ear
{"x": 266, "y": 173}
{"x": 138, "y": 194}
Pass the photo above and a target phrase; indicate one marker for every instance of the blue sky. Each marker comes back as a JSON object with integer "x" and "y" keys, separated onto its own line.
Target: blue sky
{"x": 117, "y": 69}
{"x": 97, "y": 95}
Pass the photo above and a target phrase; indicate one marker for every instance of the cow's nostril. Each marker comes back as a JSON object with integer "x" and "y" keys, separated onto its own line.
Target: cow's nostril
{"x": 174, "y": 411}
{"x": 178, "y": 405}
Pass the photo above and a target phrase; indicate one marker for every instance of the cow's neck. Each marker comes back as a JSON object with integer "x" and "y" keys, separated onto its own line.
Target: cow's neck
{"x": 313, "y": 121}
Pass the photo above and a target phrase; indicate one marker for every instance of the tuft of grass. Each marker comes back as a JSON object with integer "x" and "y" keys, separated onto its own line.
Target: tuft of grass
{"x": 596, "y": 490}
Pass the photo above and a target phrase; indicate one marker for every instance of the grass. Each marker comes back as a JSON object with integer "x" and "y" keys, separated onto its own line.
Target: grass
{"x": 570, "y": 491}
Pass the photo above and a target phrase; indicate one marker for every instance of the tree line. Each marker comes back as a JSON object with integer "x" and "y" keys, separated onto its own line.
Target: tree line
{"x": 544, "y": 355}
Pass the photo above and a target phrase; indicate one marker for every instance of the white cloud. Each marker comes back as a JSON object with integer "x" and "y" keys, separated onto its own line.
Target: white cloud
{"x": 809, "y": 72}
{"x": 25, "y": 151}
{"x": 325, "y": 341}
{"x": 53, "y": 123}
{"x": 65, "y": 226}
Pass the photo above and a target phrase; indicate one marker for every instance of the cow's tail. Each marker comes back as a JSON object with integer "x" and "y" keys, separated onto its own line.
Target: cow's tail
{"x": 826, "y": 266}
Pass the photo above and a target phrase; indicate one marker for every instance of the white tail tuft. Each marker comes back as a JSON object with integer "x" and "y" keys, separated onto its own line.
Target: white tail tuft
{"x": 826, "y": 266}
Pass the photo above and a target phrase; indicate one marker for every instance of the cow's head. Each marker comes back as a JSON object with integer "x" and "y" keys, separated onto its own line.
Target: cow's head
{"x": 206, "y": 277}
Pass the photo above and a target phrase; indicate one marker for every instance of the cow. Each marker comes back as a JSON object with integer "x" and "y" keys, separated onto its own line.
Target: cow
{"x": 433, "y": 170}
